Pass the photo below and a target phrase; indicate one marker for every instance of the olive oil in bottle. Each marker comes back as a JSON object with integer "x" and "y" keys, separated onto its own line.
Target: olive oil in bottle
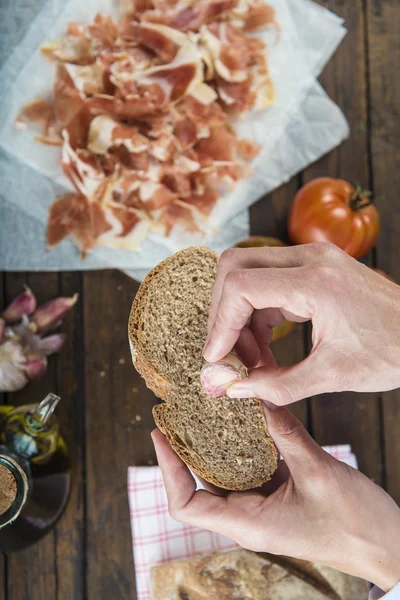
{"x": 34, "y": 473}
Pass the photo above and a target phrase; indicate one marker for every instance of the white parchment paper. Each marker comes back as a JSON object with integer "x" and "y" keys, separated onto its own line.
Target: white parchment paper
{"x": 301, "y": 126}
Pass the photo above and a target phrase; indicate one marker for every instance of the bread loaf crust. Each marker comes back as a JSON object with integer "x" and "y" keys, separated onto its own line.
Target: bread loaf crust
{"x": 244, "y": 575}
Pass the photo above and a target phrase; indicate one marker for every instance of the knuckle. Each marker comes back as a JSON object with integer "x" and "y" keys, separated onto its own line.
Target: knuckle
{"x": 176, "y": 513}
{"x": 325, "y": 272}
{"x": 228, "y": 257}
{"x": 283, "y": 396}
{"x": 327, "y": 250}
{"x": 295, "y": 433}
{"x": 232, "y": 281}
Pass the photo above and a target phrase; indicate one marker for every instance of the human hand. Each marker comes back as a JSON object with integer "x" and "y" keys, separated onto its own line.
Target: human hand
{"x": 355, "y": 315}
{"x": 322, "y": 509}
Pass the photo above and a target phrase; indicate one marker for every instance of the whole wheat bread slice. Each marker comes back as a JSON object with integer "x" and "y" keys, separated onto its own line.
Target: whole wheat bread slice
{"x": 224, "y": 441}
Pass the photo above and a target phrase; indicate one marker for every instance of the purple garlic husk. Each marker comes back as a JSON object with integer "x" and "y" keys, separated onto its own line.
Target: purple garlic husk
{"x": 24, "y": 304}
{"x": 50, "y": 315}
{"x": 24, "y": 347}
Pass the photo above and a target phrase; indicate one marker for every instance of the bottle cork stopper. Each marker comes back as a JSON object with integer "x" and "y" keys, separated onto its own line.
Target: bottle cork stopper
{"x": 8, "y": 489}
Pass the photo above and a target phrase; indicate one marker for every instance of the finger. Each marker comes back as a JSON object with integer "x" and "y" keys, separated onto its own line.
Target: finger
{"x": 285, "y": 385}
{"x": 210, "y": 487}
{"x": 229, "y": 516}
{"x": 184, "y": 503}
{"x": 249, "y": 289}
{"x": 301, "y": 453}
{"x": 262, "y": 324}
{"x": 254, "y": 258}
{"x": 179, "y": 483}
{"x": 247, "y": 348}
{"x": 280, "y": 476}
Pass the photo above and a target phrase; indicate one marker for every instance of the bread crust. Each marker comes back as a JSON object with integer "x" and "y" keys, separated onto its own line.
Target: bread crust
{"x": 244, "y": 574}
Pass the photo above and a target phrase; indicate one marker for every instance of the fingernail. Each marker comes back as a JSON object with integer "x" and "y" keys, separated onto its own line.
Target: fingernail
{"x": 238, "y": 390}
{"x": 213, "y": 350}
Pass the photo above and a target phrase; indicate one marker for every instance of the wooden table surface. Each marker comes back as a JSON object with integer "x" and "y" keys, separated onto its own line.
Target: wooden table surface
{"x": 89, "y": 553}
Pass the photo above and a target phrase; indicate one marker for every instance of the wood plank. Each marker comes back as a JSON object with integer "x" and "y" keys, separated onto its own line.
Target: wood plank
{"x": 118, "y": 426}
{"x": 268, "y": 217}
{"x": 383, "y": 20}
{"x": 31, "y": 572}
{"x": 70, "y": 530}
{"x": 349, "y": 418}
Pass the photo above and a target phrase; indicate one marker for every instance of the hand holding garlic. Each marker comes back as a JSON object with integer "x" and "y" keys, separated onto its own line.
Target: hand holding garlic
{"x": 217, "y": 377}
{"x": 23, "y": 349}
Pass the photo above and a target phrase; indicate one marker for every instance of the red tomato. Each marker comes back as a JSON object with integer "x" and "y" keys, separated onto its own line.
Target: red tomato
{"x": 332, "y": 210}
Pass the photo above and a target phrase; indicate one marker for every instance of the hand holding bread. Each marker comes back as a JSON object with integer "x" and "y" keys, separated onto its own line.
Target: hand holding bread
{"x": 355, "y": 314}
{"x": 314, "y": 508}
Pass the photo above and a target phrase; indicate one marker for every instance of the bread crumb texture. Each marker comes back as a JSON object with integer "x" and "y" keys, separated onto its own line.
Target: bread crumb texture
{"x": 224, "y": 440}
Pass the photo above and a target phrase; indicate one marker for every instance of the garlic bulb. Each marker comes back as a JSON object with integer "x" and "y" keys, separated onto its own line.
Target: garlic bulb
{"x": 23, "y": 350}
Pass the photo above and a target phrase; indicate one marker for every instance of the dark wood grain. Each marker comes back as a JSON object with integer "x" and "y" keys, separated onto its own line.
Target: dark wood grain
{"x": 118, "y": 425}
{"x": 349, "y": 418}
{"x": 70, "y": 532}
{"x": 383, "y": 19}
{"x": 31, "y": 572}
{"x": 268, "y": 217}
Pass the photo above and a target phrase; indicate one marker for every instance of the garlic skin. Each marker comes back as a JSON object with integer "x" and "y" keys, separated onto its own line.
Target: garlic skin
{"x": 24, "y": 304}
{"x": 23, "y": 350}
{"x": 216, "y": 377}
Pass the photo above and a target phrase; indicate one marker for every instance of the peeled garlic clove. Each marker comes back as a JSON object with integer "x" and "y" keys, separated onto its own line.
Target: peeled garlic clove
{"x": 24, "y": 304}
{"x": 35, "y": 367}
{"x": 48, "y": 315}
{"x": 216, "y": 377}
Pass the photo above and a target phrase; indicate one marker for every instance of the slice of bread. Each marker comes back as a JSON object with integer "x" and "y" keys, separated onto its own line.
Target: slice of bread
{"x": 224, "y": 441}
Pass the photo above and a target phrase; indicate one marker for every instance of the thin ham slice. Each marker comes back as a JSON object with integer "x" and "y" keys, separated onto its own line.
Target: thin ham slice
{"x": 41, "y": 112}
{"x": 73, "y": 215}
{"x": 204, "y": 202}
{"x": 177, "y": 215}
{"x": 192, "y": 16}
{"x": 162, "y": 40}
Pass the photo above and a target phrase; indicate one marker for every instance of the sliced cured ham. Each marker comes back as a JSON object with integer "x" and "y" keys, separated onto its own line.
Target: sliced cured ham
{"x": 142, "y": 110}
{"x": 41, "y": 112}
{"x": 75, "y": 216}
{"x": 176, "y": 79}
{"x": 105, "y": 133}
{"x": 162, "y": 40}
{"x": 190, "y": 16}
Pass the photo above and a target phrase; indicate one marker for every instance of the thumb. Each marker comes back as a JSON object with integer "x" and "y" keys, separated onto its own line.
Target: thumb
{"x": 285, "y": 385}
{"x": 299, "y": 450}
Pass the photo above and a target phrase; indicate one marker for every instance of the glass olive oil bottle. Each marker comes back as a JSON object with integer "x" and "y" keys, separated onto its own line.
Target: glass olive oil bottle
{"x": 34, "y": 473}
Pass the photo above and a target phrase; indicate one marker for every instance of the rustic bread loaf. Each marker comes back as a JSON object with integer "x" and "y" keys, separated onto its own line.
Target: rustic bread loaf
{"x": 244, "y": 575}
{"x": 223, "y": 440}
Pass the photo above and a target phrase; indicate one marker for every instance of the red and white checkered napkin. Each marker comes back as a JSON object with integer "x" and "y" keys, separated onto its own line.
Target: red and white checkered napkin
{"x": 158, "y": 539}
